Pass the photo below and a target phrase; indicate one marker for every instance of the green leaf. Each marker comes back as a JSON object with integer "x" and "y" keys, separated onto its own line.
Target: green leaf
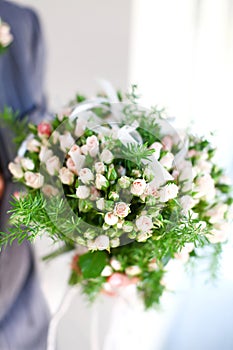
{"x": 92, "y": 264}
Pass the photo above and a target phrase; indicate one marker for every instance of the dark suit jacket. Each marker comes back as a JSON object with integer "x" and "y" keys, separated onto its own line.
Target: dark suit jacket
{"x": 21, "y": 88}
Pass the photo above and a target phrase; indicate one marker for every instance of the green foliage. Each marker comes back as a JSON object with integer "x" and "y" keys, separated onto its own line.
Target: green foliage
{"x": 20, "y": 128}
{"x": 137, "y": 153}
{"x": 93, "y": 287}
{"x": 32, "y": 215}
{"x": 92, "y": 263}
{"x": 151, "y": 288}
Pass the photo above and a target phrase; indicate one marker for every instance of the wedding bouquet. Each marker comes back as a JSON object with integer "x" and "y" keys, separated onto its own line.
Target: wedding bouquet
{"x": 118, "y": 185}
{"x": 6, "y": 37}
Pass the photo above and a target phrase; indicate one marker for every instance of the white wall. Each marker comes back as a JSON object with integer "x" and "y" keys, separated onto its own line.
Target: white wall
{"x": 182, "y": 59}
{"x": 86, "y": 40}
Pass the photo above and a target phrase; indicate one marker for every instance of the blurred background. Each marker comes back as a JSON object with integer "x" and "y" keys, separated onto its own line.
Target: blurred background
{"x": 178, "y": 52}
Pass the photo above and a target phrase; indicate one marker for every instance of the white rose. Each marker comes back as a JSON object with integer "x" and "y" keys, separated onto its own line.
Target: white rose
{"x": 27, "y": 164}
{"x": 101, "y": 182}
{"x": 49, "y": 190}
{"x": 91, "y": 245}
{"x": 121, "y": 209}
{"x": 110, "y": 219}
{"x": 5, "y": 36}
{"x": 169, "y": 191}
{"x": 167, "y": 160}
{"x": 83, "y": 192}
{"x": 86, "y": 175}
{"x": 34, "y": 180}
{"x": 113, "y": 195}
{"x": 45, "y": 154}
{"x": 33, "y": 145}
{"x": 133, "y": 270}
{"x": 102, "y": 242}
{"x": 66, "y": 141}
{"x": 115, "y": 242}
{"x": 92, "y": 145}
{"x": 66, "y": 176}
{"x": 53, "y": 165}
{"x": 99, "y": 167}
{"x": 157, "y": 146}
{"x": 116, "y": 265}
{"x": 106, "y": 156}
{"x": 138, "y": 187}
{"x": 107, "y": 271}
{"x": 100, "y": 203}
{"x": 15, "y": 170}
{"x": 217, "y": 213}
{"x": 124, "y": 182}
{"x": 144, "y": 223}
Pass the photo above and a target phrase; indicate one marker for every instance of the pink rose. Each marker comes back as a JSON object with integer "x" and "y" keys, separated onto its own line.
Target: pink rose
{"x": 34, "y": 180}
{"x": 157, "y": 146}
{"x": 144, "y": 223}
{"x": 33, "y": 145}
{"x": 83, "y": 192}
{"x": 121, "y": 209}
{"x": 66, "y": 176}
{"x": 66, "y": 141}
{"x": 205, "y": 187}
{"x": 71, "y": 166}
{"x": 111, "y": 219}
{"x": 53, "y": 165}
{"x": 106, "y": 156}
{"x": 92, "y": 145}
{"x": 86, "y": 175}
{"x": 77, "y": 157}
{"x": 45, "y": 154}
{"x": 217, "y": 213}
{"x": 49, "y": 190}
{"x": 99, "y": 167}
{"x": 138, "y": 187}
{"x": 16, "y": 170}
{"x": 102, "y": 242}
{"x": 168, "y": 192}
{"x": 44, "y": 129}
{"x": 167, "y": 143}
{"x": 167, "y": 160}
{"x": 95, "y": 194}
{"x": 81, "y": 125}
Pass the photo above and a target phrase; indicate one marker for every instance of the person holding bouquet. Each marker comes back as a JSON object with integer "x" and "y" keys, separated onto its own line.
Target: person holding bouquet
{"x": 24, "y": 316}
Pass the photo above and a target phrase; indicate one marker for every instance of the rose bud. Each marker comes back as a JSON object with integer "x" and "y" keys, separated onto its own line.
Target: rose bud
{"x": 44, "y": 129}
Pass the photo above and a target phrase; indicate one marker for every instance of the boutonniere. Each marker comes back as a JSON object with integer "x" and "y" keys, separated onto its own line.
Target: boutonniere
{"x": 6, "y": 37}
